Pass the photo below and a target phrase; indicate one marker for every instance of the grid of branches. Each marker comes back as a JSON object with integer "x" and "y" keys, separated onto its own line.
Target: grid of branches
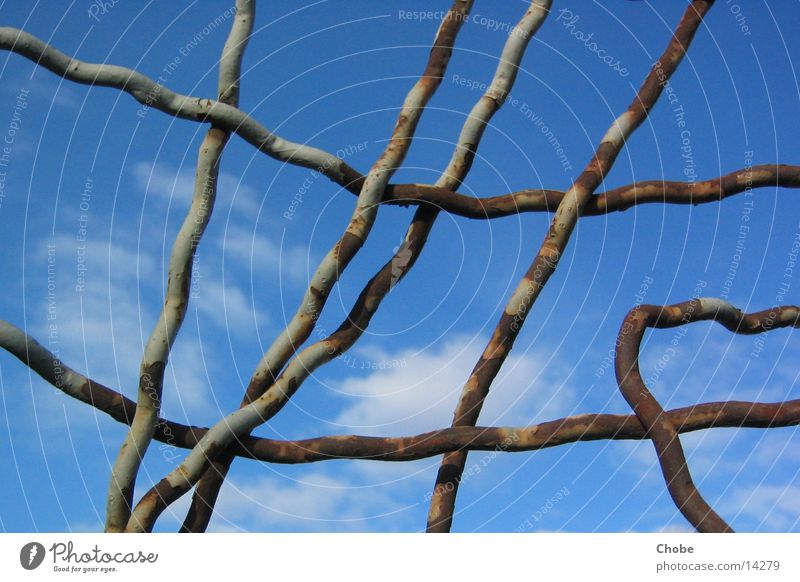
{"x": 290, "y": 359}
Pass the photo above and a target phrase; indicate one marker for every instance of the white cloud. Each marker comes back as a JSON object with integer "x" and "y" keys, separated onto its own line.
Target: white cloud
{"x": 676, "y": 528}
{"x": 177, "y": 184}
{"x": 422, "y": 394}
{"x": 257, "y": 253}
{"x": 710, "y": 364}
{"x": 98, "y": 325}
{"x": 316, "y": 502}
{"x": 227, "y": 306}
{"x": 86, "y": 526}
{"x": 367, "y": 495}
{"x": 771, "y": 507}
{"x": 102, "y": 328}
{"x": 46, "y": 85}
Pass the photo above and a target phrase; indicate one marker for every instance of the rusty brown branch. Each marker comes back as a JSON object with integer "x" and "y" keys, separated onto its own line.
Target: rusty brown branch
{"x": 579, "y": 428}
{"x": 208, "y": 486}
{"x": 583, "y": 427}
{"x": 288, "y": 362}
{"x": 615, "y": 200}
{"x": 661, "y": 428}
{"x": 165, "y": 330}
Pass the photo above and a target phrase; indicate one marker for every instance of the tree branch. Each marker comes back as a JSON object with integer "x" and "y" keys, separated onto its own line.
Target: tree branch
{"x": 402, "y": 261}
{"x": 223, "y": 115}
{"x": 615, "y": 200}
{"x": 152, "y": 94}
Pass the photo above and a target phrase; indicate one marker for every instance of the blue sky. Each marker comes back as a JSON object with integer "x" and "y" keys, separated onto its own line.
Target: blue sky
{"x": 333, "y": 74}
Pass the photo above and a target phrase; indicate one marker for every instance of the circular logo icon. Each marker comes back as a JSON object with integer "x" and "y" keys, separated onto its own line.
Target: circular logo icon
{"x": 31, "y": 555}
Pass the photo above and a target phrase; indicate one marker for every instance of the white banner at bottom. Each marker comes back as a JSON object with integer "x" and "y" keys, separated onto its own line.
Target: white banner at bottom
{"x": 378, "y": 557}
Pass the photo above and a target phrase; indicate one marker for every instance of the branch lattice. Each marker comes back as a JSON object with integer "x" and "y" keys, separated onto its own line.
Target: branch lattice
{"x": 288, "y": 361}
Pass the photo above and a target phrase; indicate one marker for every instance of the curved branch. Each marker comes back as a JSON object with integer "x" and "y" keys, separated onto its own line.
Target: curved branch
{"x": 583, "y": 427}
{"x": 579, "y": 428}
{"x": 615, "y": 200}
{"x": 474, "y": 392}
{"x": 153, "y": 94}
{"x": 208, "y": 486}
{"x": 661, "y": 430}
{"x": 223, "y": 115}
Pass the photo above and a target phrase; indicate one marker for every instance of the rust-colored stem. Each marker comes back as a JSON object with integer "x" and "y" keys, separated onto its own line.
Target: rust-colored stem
{"x": 615, "y": 200}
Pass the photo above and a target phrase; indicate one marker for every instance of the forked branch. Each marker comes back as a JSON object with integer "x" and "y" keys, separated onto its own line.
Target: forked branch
{"x": 403, "y": 260}
{"x": 158, "y": 346}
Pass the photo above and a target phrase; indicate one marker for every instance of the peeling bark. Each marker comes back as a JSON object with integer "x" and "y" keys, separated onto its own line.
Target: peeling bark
{"x": 219, "y": 112}
{"x": 578, "y": 428}
{"x": 615, "y": 200}
{"x": 285, "y": 366}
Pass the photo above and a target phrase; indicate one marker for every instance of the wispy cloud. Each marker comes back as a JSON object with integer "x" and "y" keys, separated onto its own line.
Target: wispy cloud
{"x": 167, "y": 183}
{"x": 102, "y": 325}
{"x": 256, "y": 252}
{"x": 421, "y": 392}
{"x": 768, "y": 507}
{"x": 227, "y": 306}
{"x": 316, "y": 502}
